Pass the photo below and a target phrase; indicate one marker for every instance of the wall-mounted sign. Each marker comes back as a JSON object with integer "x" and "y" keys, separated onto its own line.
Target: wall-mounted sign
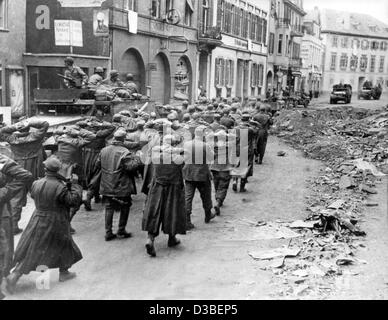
{"x": 101, "y": 23}
{"x": 68, "y": 33}
{"x": 82, "y": 3}
{"x": 152, "y": 67}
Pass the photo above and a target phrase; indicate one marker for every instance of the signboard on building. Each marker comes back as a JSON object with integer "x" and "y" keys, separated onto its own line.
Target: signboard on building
{"x": 82, "y": 3}
{"x": 68, "y": 33}
{"x": 101, "y": 23}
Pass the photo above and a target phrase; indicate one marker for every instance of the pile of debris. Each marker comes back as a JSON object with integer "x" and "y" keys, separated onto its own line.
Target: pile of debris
{"x": 353, "y": 143}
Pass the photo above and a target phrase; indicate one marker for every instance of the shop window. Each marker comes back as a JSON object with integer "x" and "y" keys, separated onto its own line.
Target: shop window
{"x": 333, "y": 61}
{"x": 155, "y": 8}
{"x": 363, "y": 62}
{"x": 353, "y": 62}
{"x": 381, "y": 65}
{"x": 344, "y": 61}
{"x": 372, "y": 63}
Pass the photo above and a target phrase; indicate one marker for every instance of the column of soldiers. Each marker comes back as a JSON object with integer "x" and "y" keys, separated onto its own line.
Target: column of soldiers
{"x": 184, "y": 149}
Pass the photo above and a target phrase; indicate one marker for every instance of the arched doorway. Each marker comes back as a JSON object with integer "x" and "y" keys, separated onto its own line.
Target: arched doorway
{"x": 161, "y": 80}
{"x": 269, "y": 82}
{"x": 183, "y": 79}
{"x": 132, "y": 62}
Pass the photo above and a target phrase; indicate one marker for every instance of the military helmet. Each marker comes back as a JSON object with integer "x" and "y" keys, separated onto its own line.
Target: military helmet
{"x": 69, "y": 60}
{"x": 99, "y": 70}
{"x": 129, "y": 76}
{"x": 114, "y": 73}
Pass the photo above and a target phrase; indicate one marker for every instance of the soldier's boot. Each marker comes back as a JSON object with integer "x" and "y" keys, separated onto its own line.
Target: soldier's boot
{"x": 12, "y": 280}
{"x": 122, "y": 233}
{"x": 2, "y": 296}
{"x": 150, "y": 248}
{"x": 242, "y": 185}
{"x": 189, "y": 224}
{"x": 88, "y": 201}
{"x": 209, "y": 215}
{"x": 173, "y": 241}
{"x": 217, "y": 207}
{"x": 65, "y": 275}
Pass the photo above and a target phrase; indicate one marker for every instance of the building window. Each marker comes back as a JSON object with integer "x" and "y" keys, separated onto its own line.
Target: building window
{"x": 261, "y": 75}
{"x": 3, "y": 15}
{"x": 254, "y": 73}
{"x": 280, "y": 44}
{"x": 335, "y": 42}
{"x": 287, "y": 49}
{"x": 355, "y": 44}
{"x": 353, "y": 62}
{"x": 363, "y": 62}
{"x": 372, "y": 63}
{"x": 271, "y": 43}
{"x": 169, "y": 5}
{"x": 333, "y": 61}
{"x": 381, "y": 65}
{"x": 344, "y": 42}
{"x": 375, "y": 45}
{"x": 130, "y": 5}
{"x": 1, "y": 86}
{"x": 365, "y": 44}
{"x": 265, "y": 26}
{"x": 155, "y": 8}
{"x": 383, "y": 45}
{"x": 259, "y": 36}
{"x": 189, "y": 8}
{"x": 344, "y": 61}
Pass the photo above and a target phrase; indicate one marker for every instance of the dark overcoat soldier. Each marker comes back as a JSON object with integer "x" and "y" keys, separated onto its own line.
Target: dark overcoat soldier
{"x": 47, "y": 240}
{"x": 165, "y": 205}
{"x": 12, "y": 178}
{"x": 265, "y": 122}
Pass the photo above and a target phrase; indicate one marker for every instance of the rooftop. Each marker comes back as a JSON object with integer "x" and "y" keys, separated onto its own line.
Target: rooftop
{"x": 352, "y": 23}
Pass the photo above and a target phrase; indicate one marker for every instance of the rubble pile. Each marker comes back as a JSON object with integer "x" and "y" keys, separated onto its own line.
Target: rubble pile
{"x": 353, "y": 144}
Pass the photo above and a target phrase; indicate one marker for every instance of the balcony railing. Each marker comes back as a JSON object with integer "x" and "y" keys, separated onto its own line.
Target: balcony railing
{"x": 209, "y": 38}
{"x": 211, "y": 33}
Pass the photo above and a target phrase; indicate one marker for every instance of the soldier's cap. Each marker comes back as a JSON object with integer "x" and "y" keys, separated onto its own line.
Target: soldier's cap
{"x": 120, "y": 134}
{"x": 200, "y": 130}
{"x": 172, "y": 116}
{"x": 52, "y": 164}
{"x": 99, "y": 70}
{"x": 114, "y": 73}
{"x": 186, "y": 117}
{"x": 190, "y": 108}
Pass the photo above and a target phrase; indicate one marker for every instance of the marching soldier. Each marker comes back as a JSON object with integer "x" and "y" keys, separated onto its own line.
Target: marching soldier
{"x": 47, "y": 240}
{"x": 265, "y": 122}
{"x": 13, "y": 178}
{"x": 26, "y": 146}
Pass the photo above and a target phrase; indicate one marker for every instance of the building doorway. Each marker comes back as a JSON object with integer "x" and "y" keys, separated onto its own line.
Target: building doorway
{"x": 132, "y": 62}
{"x": 161, "y": 80}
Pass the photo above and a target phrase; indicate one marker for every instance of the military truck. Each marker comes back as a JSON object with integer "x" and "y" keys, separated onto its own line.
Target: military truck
{"x": 368, "y": 91}
{"x": 341, "y": 92}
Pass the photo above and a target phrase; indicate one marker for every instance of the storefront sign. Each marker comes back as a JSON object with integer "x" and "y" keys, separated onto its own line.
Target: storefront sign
{"x": 82, "y": 3}
{"x": 68, "y": 33}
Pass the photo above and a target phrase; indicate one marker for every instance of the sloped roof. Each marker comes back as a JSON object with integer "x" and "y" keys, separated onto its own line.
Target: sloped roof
{"x": 352, "y": 23}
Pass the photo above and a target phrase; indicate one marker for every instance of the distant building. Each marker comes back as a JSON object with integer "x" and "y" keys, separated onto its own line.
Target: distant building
{"x": 233, "y": 39}
{"x": 312, "y": 53}
{"x": 12, "y": 46}
{"x": 284, "y": 47}
{"x": 356, "y": 49}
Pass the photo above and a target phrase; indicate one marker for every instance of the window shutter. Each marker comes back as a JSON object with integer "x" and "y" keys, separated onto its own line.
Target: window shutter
{"x": 217, "y": 72}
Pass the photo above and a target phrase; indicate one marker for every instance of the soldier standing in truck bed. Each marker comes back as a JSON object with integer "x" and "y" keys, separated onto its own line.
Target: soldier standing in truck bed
{"x": 74, "y": 72}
